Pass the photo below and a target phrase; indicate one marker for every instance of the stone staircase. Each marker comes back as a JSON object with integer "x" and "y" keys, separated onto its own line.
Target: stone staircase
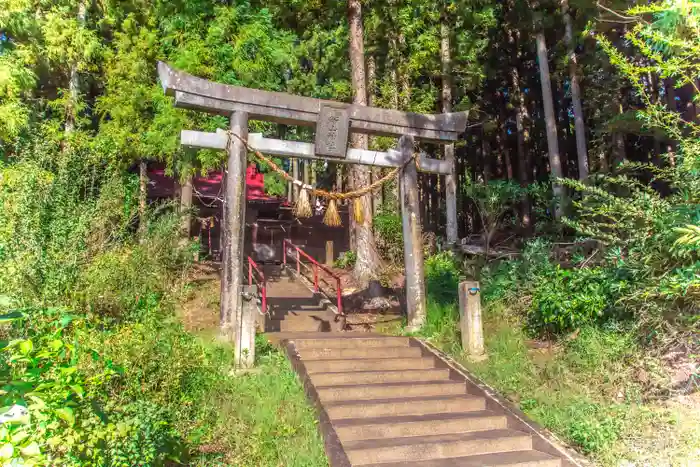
{"x": 389, "y": 401}
{"x": 293, "y": 306}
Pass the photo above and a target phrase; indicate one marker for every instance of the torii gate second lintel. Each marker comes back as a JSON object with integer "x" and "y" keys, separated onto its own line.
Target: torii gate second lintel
{"x": 333, "y": 122}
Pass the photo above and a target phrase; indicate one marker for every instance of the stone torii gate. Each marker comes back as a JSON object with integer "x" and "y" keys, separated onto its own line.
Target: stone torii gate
{"x": 333, "y": 122}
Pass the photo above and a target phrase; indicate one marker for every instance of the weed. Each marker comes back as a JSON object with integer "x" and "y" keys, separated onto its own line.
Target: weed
{"x": 347, "y": 259}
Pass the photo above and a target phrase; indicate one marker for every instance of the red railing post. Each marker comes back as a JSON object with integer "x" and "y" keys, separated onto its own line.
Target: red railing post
{"x": 264, "y": 298}
{"x": 260, "y": 279}
{"x": 284, "y": 252}
{"x": 316, "y": 267}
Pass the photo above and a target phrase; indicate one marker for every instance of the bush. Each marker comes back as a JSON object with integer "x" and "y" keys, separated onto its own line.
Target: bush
{"x": 74, "y": 413}
{"x": 442, "y": 278}
{"x": 128, "y": 280}
{"x": 564, "y": 300}
{"x": 493, "y": 199}
{"x": 89, "y": 389}
{"x": 388, "y": 233}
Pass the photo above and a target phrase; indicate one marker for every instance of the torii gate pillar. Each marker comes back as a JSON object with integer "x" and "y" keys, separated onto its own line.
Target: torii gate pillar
{"x": 412, "y": 238}
{"x": 231, "y": 318}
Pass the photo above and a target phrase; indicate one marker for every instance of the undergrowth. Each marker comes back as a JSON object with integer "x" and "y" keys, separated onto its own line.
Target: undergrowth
{"x": 95, "y": 370}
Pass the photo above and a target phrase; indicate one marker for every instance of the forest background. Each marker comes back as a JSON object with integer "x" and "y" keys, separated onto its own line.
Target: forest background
{"x": 581, "y": 157}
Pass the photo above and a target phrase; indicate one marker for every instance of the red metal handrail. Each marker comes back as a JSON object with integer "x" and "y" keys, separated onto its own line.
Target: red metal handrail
{"x": 316, "y": 267}
{"x": 260, "y": 280}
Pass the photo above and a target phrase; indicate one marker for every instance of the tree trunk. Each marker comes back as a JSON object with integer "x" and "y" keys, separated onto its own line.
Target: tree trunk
{"x": 521, "y": 114}
{"x": 451, "y": 178}
{"x": 579, "y": 126}
{"x": 619, "y": 146}
{"x": 505, "y": 167}
{"x": 367, "y": 264}
{"x": 485, "y": 155}
{"x": 143, "y": 193}
{"x": 503, "y": 149}
{"x": 561, "y": 110}
{"x": 74, "y": 80}
{"x": 404, "y": 80}
{"x": 673, "y": 107}
{"x": 394, "y": 78}
{"x": 550, "y": 121}
{"x": 377, "y": 198}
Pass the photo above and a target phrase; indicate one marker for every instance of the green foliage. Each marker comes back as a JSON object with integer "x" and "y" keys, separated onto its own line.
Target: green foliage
{"x": 564, "y": 300}
{"x": 493, "y": 199}
{"x": 346, "y": 260}
{"x": 388, "y": 232}
{"x": 72, "y": 418}
{"x": 690, "y": 236}
{"x": 647, "y": 231}
{"x": 442, "y": 277}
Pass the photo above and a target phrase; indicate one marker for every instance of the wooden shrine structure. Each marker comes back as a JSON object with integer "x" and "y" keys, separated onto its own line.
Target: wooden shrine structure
{"x": 333, "y": 122}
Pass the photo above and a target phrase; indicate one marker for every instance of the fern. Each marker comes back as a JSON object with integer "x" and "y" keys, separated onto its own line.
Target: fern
{"x": 690, "y": 236}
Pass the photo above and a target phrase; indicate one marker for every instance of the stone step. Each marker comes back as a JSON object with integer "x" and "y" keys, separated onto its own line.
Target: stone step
{"x": 299, "y": 312}
{"x": 418, "y": 425}
{"x": 369, "y": 364}
{"x": 422, "y": 448}
{"x": 341, "y": 354}
{"x": 283, "y": 325}
{"x": 501, "y": 459}
{"x": 376, "y": 377}
{"x": 404, "y": 406}
{"x": 303, "y": 322}
{"x": 390, "y": 391}
{"x": 351, "y": 342}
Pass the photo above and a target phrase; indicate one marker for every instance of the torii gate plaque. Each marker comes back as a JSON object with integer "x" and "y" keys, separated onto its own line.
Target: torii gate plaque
{"x": 333, "y": 122}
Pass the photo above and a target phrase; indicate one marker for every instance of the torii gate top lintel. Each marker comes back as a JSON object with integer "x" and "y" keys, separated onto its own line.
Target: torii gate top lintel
{"x": 204, "y": 95}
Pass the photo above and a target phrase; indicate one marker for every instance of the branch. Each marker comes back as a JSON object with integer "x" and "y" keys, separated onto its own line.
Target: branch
{"x": 628, "y": 19}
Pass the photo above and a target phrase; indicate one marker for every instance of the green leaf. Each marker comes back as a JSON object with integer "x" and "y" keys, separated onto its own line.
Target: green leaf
{"x": 56, "y": 344}
{"x": 66, "y": 320}
{"x": 31, "y": 450}
{"x": 19, "y": 436}
{"x": 26, "y": 346}
{"x": 12, "y": 316}
{"x": 38, "y": 402}
{"x": 78, "y": 390}
{"x": 68, "y": 370}
{"x": 5, "y": 301}
{"x": 7, "y": 451}
{"x": 66, "y": 414}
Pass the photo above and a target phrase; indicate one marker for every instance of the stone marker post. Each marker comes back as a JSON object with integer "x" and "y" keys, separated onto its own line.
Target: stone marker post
{"x": 412, "y": 237}
{"x": 244, "y": 352}
{"x": 329, "y": 252}
{"x": 470, "y": 322}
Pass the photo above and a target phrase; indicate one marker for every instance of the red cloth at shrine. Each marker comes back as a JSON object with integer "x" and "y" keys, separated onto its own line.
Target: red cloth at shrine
{"x": 255, "y": 181}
